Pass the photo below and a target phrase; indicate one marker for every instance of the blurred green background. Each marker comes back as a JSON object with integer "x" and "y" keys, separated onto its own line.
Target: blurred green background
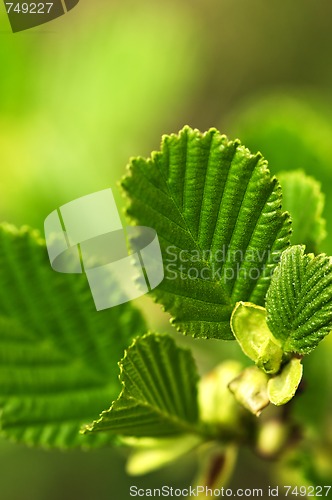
{"x": 82, "y": 94}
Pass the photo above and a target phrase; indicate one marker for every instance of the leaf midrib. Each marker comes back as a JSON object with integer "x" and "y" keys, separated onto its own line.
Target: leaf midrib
{"x": 184, "y": 426}
{"x": 196, "y": 245}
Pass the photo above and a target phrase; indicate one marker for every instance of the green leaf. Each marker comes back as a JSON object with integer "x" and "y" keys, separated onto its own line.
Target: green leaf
{"x": 293, "y": 133}
{"x": 58, "y": 355}
{"x": 303, "y": 199}
{"x": 299, "y": 300}
{"x": 283, "y": 386}
{"x": 159, "y": 395}
{"x": 248, "y": 323}
{"x": 217, "y": 213}
{"x": 257, "y": 342}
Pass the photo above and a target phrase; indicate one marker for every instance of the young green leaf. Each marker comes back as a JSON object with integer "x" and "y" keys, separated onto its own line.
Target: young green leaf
{"x": 303, "y": 199}
{"x": 299, "y": 300}
{"x": 217, "y": 212}
{"x": 248, "y": 323}
{"x": 159, "y": 395}
{"x": 58, "y": 355}
{"x": 283, "y": 386}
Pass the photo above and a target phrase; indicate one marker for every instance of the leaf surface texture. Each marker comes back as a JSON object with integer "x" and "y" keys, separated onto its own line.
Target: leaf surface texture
{"x": 159, "y": 396}
{"x": 299, "y": 300}
{"x": 217, "y": 212}
{"x": 58, "y": 355}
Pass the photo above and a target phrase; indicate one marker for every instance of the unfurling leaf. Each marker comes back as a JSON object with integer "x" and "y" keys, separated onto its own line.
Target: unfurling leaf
{"x": 159, "y": 395}
{"x": 249, "y": 327}
{"x": 217, "y": 213}
{"x": 299, "y": 300}
{"x": 257, "y": 342}
{"x": 282, "y": 387}
{"x": 58, "y": 355}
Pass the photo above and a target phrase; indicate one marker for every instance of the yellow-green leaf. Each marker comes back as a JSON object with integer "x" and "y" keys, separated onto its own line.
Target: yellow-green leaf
{"x": 282, "y": 387}
{"x": 249, "y": 326}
